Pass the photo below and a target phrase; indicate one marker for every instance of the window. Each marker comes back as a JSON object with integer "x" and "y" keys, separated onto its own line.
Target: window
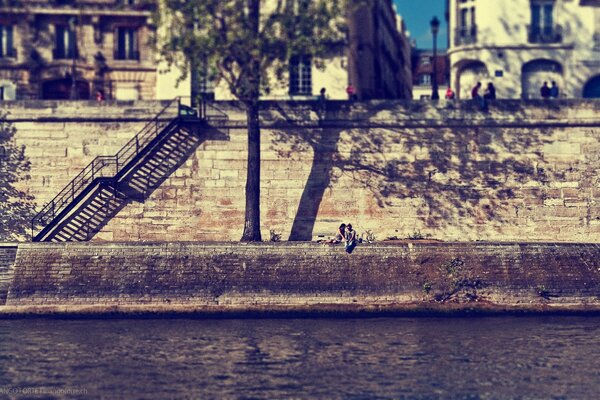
{"x": 6, "y": 42}
{"x": 541, "y": 16}
{"x": 301, "y": 75}
{"x": 126, "y": 44}
{"x": 543, "y": 28}
{"x": 466, "y": 33}
{"x": 66, "y": 44}
{"x": 127, "y": 91}
{"x": 424, "y": 80}
{"x": 7, "y": 90}
{"x": 425, "y": 60}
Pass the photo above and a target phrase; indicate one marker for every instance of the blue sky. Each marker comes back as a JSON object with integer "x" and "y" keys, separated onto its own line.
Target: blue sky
{"x": 417, "y": 14}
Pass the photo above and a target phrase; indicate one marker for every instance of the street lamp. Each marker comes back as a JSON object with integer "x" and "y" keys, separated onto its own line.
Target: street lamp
{"x": 435, "y": 27}
{"x": 74, "y": 95}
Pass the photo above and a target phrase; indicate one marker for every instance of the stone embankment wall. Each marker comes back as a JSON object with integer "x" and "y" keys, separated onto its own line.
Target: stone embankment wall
{"x": 523, "y": 171}
{"x": 8, "y": 253}
{"x": 304, "y": 277}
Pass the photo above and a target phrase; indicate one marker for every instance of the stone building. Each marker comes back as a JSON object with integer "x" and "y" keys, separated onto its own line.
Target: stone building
{"x": 519, "y": 44}
{"x": 375, "y": 59}
{"x": 61, "y": 49}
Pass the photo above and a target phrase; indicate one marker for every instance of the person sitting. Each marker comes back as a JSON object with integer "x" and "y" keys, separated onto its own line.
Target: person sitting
{"x": 475, "y": 91}
{"x": 490, "y": 92}
{"x": 554, "y": 90}
{"x": 350, "y": 239}
{"x": 477, "y": 97}
{"x": 545, "y": 91}
{"x": 339, "y": 235}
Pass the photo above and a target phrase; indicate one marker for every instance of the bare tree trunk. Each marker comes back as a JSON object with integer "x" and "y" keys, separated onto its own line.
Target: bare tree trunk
{"x": 252, "y": 217}
{"x": 252, "y": 221}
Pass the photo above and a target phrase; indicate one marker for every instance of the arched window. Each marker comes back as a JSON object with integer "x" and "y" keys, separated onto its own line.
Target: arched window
{"x": 535, "y": 73}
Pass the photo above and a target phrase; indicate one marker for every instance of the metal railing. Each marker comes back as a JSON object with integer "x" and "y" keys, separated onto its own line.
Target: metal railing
{"x": 465, "y": 35}
{"x": 123, "y": 54}
{"x": 101, "y": 167}
{"x": 545, "y": 34}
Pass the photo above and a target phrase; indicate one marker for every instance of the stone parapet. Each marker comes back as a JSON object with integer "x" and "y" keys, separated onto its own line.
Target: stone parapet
{"x": 8, "y": 253}
{"x": 234, "y": 277}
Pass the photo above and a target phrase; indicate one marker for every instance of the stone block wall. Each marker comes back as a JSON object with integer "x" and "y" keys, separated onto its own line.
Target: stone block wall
{"x": 8, "y": 253}
{"x": 306, "y": 276}
{"x": 523, "y": 171}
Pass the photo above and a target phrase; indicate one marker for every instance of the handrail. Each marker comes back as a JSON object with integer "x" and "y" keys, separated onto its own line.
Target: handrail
{"x": 99, "y": 168}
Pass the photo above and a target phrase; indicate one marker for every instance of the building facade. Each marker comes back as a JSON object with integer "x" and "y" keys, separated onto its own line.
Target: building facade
{"x": 75, "y": 49}
{"x": 422, "y": 73}
{"x": 520, "y": 44}
{"x": 375, "y": 60}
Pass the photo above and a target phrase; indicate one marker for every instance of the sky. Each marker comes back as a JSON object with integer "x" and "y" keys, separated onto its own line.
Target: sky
{"x": 417, "y": 14}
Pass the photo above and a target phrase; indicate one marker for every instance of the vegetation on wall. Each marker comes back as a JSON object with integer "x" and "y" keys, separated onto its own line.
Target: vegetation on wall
{"x": 16, "y": 206}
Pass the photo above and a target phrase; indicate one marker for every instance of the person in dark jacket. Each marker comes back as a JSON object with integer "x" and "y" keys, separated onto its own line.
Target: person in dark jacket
{"x": 490, "y": 92}
{"x": 545, "y": 91}
{"x": 554, "y": 90}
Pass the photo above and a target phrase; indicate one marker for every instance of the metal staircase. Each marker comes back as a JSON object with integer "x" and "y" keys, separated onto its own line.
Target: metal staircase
{"x": 109, "y": 183}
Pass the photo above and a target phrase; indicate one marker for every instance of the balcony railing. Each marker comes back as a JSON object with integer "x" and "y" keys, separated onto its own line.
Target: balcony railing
{"x": 126, "y": 55}
{"x": 545, "y": 34}
{"x": 62, "y": 54}
{"x": 465, "y": 35}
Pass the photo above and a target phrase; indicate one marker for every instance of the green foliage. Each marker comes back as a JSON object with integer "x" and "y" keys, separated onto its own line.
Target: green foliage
{"x": 543, "y": 292}
{"x": 274, "y": 236}
{"x": 16, "y": 206}
{"x": 457, "y": 283}
{"x": 241, "y": 41}
{"x": 427, "y": 287}
{"x": 417, "y": 235}
{"x": 452, "y": 267}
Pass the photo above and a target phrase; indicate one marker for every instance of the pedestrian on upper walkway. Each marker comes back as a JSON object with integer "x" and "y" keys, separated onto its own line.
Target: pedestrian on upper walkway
{"x": 490, "y": 92}
{"x": 351, "y": 91}
{"x": 477, "y": 97}
{"x": 554, "y": 90}
{"x": 322, "y": 102}
{"x": 545, "y": 91}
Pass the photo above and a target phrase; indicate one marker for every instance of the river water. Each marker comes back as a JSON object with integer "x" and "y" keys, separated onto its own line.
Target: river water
{"x": 372, "y": 358}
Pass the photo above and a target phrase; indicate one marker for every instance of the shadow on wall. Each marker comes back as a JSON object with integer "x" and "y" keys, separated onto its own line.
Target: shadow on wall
{"x": 17, "y": 207}
{"x": 469, "y": 172}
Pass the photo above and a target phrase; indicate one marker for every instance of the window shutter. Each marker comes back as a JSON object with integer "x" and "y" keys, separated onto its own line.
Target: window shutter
{"x": 9, "y": 49}
{"x": 131, "y": 48}
{"x": 72, "y": 43}
{"x": 1, "y": 41}
{"x": 121, "y": 43}
{"x": 60, "y": 41}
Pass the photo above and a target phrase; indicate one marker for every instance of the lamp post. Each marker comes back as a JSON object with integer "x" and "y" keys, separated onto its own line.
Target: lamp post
{"x": 435, "y": 27}
{"x": 74, "y": 95}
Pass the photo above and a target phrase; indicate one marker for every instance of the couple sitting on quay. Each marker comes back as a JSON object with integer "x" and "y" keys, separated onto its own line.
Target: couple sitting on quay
{"x": 347, "y": 234}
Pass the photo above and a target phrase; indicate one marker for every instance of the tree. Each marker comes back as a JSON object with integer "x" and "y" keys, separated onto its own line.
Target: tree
{"x": 247, "y": 44}
{"x": 16, "y": 206}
